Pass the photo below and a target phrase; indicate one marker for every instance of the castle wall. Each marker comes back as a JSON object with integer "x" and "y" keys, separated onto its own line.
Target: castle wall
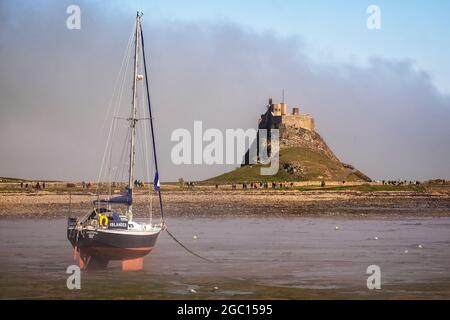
{"x": 301, "y": 121}
{"x": 277, "y": 115}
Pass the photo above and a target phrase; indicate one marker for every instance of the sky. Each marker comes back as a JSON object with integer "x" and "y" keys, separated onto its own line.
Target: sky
{"x": 381, "y": 98}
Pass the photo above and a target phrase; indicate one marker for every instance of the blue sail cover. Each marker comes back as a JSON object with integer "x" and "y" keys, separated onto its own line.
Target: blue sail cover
{"x": 123, "y": 199}
{"x": 156, "y": 185}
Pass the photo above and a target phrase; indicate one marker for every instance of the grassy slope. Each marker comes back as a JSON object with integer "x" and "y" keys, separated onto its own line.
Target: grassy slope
{"x": 7, "y": 179}
{"x": 315, "y": 163}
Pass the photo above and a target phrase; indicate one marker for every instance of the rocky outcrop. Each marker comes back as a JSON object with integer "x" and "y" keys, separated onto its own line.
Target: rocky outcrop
{"x": 304, "y": 154}
{"x": 291, "y": 136}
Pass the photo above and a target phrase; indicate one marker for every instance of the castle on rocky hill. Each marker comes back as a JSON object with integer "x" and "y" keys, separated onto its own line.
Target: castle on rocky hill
{"x": 277, "y": 117}
{"x": 295, "y": 129}
{"x": 304, "y": 154}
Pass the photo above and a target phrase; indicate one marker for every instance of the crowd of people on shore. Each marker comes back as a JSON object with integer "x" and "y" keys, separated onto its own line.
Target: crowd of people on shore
{"x": 138, "y": 183}
{"x": 399, "y": 182}
{"x": 86, "y": 185}
{"x": 234, "y": 186}
{"x": 262, "y": 185}
{"x": 37, "y": 185}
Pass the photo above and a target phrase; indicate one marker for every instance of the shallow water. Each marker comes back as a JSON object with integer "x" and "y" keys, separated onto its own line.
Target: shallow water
{"x": 254, "y": 258}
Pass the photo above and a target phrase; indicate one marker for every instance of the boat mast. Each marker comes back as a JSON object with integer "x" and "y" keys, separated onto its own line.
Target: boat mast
{"x": 133, "y": 118}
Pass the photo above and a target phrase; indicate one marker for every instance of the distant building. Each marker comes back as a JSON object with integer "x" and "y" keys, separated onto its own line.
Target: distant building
{"x": 277, "y": 116}
{"x": 289, "y": 125}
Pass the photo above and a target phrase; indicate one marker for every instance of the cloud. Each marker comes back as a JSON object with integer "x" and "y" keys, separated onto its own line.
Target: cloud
{"x": 386, "y": 118}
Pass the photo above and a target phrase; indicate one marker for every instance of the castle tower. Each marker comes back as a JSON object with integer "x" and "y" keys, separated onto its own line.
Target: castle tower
{"x": 283, "y": 108}
{"x": 275, "y": 108}
{"x": 277, "y": 116}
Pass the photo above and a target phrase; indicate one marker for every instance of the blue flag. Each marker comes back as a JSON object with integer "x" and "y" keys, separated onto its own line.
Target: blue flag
{"x": 156, "y": 182}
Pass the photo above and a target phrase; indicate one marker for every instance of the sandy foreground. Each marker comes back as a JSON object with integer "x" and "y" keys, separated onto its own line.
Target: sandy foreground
{"x": 210, "y": 203}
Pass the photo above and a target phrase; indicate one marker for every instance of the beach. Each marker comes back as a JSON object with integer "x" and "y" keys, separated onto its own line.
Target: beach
{"x": 264, "y": 244}
{"x": 208, "y": 202}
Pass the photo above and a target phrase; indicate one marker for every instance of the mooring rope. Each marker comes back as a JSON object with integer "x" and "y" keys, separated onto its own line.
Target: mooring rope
{"x": 186, "y": 248}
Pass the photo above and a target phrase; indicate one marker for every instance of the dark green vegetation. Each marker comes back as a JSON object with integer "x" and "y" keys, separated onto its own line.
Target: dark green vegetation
{"x": 244, "y": 174}
{"x": 12, "y": 180}
{"x": 296, "y": 164}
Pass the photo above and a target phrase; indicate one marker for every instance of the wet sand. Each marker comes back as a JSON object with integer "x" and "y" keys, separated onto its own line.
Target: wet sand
{"x": 254, "y": 258}
{"x": 211, "y": 203}
{"x": 265, "y": 244}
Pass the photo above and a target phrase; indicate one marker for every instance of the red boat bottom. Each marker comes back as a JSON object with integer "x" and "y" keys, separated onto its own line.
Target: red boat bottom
{"x": 110, "y": 253}
{"x": 79, "y": 259}
{"x": 98, "y": 257}
{"x": 133, "y": 264}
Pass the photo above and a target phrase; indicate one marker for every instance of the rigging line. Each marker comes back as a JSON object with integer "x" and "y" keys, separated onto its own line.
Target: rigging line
{"x": 116, "y": 109}
{"x": 186, "y": 248}
{"x": 143, "y": 156}
{"x": 119, "y": 102}
{"x": 144, "y": 148}
{"x": 141, "y": 149}
{"x": 120, "y": 164}
{"x": 150, "y": 195}
{"x": 121, "y": 73}
{"x": 147, "y": 173}
{"x": 109, "y": 178}
{"x": 151, "y": 122}
{"x": 140, "y": 146}
{"x": 124, "y": 162}
{"x": 146, "y": 158}
{"x": 124, "y": 60}
{"x": 111, "y": 137}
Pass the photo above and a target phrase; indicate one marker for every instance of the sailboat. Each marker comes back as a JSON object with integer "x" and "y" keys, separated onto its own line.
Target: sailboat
{"x": 105, "y": 233}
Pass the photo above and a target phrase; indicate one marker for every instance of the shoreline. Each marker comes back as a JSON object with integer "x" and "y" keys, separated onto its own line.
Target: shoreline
{"x": 233, "y": 203}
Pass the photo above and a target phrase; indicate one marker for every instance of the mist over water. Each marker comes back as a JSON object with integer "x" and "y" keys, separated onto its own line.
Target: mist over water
{"x": 386, "y": 117}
